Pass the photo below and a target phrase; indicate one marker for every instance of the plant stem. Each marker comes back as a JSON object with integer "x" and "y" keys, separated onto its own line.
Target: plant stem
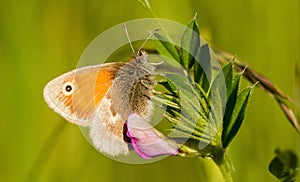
{"x": 224, "y": 165}
{"x": 225, "y": 172}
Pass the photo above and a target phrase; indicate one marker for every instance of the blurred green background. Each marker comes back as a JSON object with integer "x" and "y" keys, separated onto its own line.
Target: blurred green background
{"x": 41, "y": 39}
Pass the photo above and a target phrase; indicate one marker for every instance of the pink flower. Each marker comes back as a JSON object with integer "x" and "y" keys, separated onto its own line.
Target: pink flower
{"x": 146, "y": 140}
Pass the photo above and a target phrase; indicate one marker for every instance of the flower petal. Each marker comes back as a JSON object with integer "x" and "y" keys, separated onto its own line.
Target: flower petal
{"x": 146, "y": 140}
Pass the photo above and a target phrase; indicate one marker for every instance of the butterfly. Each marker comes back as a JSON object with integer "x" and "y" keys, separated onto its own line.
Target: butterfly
{"x": 101, "y": 97}
{"x": 114, "y": 101}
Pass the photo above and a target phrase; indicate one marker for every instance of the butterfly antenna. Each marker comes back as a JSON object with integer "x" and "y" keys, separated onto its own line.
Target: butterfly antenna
{"x": 151, "y": 33}
{"x": 128, "y": 38}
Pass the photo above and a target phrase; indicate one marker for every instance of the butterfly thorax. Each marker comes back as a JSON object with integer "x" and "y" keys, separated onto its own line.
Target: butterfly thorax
{"x": 132, "y": 88}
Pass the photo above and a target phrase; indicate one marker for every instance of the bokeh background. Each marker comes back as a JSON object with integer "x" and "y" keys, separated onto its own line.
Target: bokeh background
{"x": 41, "y": 39}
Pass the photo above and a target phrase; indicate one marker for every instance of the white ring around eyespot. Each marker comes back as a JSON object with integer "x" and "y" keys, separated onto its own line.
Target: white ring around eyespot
{"x": 65, "y": 92}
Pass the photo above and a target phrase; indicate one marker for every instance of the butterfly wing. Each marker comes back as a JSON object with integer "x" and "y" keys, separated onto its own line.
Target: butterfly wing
{"x": 76, "y": 95}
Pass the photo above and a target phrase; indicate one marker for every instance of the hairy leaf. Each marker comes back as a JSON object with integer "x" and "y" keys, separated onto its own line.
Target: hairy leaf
{"x": 237, "y": 117}
{"x": 230, "y": 104}
{"x": 190, "y": 43}
{"x": 166, "y": 48}
{"x": 228, "y": 75}
{"x": 202, "y": 67}
{"x": 217, "y": 98}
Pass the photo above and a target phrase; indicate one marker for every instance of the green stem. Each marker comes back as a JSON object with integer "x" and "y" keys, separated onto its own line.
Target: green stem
{"x": 224, "y": 165}
{"x": 225, "y": 172}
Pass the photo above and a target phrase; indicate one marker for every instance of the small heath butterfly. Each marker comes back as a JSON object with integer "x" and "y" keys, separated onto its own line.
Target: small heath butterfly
{"x": 101, "y": 97}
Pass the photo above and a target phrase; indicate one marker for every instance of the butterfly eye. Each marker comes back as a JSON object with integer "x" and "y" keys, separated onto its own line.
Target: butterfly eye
{"x": 68, "y": 88}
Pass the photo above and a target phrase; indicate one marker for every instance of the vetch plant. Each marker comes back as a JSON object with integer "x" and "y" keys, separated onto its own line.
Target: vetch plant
{"x": 205, "y": 104}
{"x": 208, "y": 111}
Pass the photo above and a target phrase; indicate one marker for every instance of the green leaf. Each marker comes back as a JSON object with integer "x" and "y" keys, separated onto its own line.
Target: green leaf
{"x": 228, "y": 75}
{"x": 230, "y": 104}
{"x": 166, "y": 48}
{"x": 237, "y": 117}
{"x": 217, "y": 99}
{"x": 191, "y": 111}
{"x": 188, "y": 95}
{"x": 169, "y": 86}
{"x": 190, "y": 43}
{"x": 284, "y": 165}
{"x": 204, "y": 100}
{"x": 202, "y": 67}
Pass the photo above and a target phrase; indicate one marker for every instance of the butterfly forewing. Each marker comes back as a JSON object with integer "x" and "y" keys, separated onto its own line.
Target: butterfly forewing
{"x": 75, "y": 95}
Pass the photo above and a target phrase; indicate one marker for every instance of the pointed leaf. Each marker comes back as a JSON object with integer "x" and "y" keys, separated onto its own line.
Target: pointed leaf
{"x": 169, "y": 86}
{"x": 237, "y": 117}
{"x": 264, "y": 83}
{"x": 217, "y": 98}
{"x": 230, "y": 104}
{"x": 190, "y": 43}
{"x": 228, "y": 75}
{"x": 189, "y": 98}
{"x": 202, "y": 67}
{"x": 166, "y": 48}
{"x": 192, "y": 115}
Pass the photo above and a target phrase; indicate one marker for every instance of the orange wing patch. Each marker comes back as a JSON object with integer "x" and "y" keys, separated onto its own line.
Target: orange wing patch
{"x": 104, "y": 80}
